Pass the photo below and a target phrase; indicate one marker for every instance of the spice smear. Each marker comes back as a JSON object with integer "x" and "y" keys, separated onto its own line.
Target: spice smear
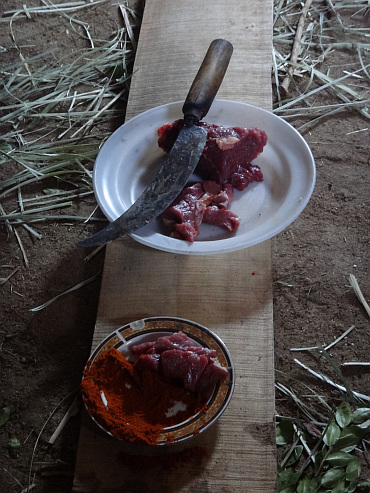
{"x": 134, "y": 402}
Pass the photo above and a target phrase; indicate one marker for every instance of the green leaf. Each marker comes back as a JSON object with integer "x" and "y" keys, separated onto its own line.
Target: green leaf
{"x": 360, "y": 415}
{"x": 353, "y": 489}
{"x": 14, "y": 447}
{"x": 343, "y": 415}
{"x": 295, "y": 455}
{"x": 308, "y": 485}
{"x": 116, "y": 72}
{"x": 340, "y": 488}
{"x": 319, "y": 457}
{"x": 4, "y": 415}
{"x": 353, "y": 470}
{"x": 332, "y": 477}
{"x": 284, "y": 432}
{"x": 287, "y": 478}
{"x": 349, "y": 438}
{"x": 337, "y": 459}
{"x": 332, "y": 434}
{"x": 365, "y": 425}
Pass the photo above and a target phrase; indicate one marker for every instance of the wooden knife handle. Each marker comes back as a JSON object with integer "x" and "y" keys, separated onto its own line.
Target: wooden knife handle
{"x": 207, "y": 81}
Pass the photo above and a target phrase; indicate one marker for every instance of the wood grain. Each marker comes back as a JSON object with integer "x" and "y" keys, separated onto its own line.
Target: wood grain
{"x": 229, "y": 293}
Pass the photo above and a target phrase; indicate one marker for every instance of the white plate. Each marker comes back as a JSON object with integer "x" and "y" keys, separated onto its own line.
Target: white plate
{"x": 130, "y": 158}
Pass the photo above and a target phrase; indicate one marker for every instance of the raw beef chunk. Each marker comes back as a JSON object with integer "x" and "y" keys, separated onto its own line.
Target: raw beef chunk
{"x": 150, "y": 360}
{"x": 185, "y": 366}
{"x": 211, "y": 375}
{"x": 228, "y": 154}
{"x": 178, "y": 340}
{"x": 179, "y": 359}
{"x": 206, "y": 202}
{"x": 184, "y": 216}
{"x": 221, "y": 217}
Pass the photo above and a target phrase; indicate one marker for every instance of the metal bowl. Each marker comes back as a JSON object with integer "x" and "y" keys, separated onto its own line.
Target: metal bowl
{"x": 149, "y": 329}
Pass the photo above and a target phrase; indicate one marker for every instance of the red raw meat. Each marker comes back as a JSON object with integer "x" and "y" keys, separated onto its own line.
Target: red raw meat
{"x": 143, "y": 347}
{"x": 209, "y": 353}
{"x": 150, "y": 360}
{"x": 227, "y": 155}
{"x": 206, "y": 202}
{"x": 221, "y": 217}
{"x": 210, "y": 377}
{"x": 183, "y": 217}
{"x": 178, "y": 358}
{"x": 178, "y": 340}
{"x": 183, "y": 365}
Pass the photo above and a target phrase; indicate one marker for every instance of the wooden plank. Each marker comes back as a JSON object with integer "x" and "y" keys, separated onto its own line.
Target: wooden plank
{"x": 173, "y": 42}
{"x": 230, "y": 293}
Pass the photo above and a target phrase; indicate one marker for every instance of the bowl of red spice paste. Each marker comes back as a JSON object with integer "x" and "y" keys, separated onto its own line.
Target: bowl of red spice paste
{"x": 158, "y": 380}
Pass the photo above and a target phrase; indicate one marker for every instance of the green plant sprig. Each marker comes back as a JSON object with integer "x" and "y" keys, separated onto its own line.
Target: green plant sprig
{"x": 333, "y": 453}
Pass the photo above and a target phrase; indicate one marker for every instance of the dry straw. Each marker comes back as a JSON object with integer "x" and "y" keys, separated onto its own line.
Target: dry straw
{"x": 56, "y": 112}
{"x": 304, "y": 38}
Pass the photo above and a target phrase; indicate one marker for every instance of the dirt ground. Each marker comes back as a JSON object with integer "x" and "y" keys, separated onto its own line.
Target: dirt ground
{"x": 42, "y": 353}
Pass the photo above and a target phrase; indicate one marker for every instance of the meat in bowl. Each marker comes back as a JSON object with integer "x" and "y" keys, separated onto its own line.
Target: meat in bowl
{"x": 158, "y": 389}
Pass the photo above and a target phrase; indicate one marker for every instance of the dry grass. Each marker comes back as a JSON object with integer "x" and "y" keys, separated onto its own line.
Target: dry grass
{"x": 77, "y": 99}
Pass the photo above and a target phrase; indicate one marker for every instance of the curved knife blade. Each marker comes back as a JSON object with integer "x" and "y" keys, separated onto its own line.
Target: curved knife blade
{"x": 180, "y": 163}
{"x": 172, "y": 177}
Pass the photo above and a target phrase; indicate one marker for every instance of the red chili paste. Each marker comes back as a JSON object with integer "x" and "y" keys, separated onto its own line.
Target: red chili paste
{"x": 134, "y": 402}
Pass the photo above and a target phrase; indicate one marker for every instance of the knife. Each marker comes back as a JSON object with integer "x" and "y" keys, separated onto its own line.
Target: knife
{"x": 182, "y": 159}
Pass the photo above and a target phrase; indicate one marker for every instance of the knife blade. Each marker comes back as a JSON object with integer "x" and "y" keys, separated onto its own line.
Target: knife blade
{"x": 182, "y": 159}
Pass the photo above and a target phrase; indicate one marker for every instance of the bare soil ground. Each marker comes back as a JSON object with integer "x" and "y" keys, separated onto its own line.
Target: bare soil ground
{"x": 42, "y": 353}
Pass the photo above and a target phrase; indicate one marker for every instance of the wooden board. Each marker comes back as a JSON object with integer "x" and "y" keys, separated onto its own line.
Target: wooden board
{"x": 230, "y": 293}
